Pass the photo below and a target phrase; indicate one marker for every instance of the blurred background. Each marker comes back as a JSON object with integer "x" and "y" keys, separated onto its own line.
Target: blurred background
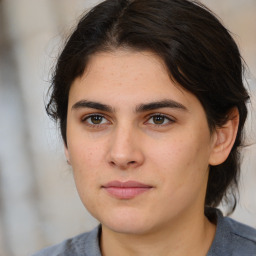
{"x": 39, "y": 205}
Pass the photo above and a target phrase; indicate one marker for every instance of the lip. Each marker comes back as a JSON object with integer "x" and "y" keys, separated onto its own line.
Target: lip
{"x": 126, "y": 190}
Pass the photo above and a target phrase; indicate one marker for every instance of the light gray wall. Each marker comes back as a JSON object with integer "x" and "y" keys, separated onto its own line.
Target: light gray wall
{"x": 38, "y": 200}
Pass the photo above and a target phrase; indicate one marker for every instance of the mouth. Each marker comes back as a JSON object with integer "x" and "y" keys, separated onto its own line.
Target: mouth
{"x": 126, "y": 190}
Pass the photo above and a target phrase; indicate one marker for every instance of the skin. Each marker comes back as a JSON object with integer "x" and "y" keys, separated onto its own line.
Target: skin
{"x": 167, "y": 148}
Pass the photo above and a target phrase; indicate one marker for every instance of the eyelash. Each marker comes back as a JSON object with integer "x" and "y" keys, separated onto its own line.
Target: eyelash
{"x": 169, "y": 120}
{"x": 86, "y": 118}
{"x": 166, "y": 118}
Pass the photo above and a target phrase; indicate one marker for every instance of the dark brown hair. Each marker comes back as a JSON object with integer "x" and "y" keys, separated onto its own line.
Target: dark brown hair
{"x": 198, "y": 51}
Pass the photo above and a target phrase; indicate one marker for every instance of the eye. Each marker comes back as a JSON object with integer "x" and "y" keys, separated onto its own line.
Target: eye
{"x": 95, "y": 119}
{"x": 159, "y": 119}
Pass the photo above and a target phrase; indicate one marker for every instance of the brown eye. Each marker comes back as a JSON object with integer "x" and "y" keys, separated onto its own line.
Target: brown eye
{"x": 95, "y": 120}
{"x": 158, "y": 119}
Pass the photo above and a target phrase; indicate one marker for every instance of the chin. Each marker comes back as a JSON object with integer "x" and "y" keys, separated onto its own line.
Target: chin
{"x": 126, "y": 224}
{"x": 126, "y": 218}
{"x": 127, "y": 229}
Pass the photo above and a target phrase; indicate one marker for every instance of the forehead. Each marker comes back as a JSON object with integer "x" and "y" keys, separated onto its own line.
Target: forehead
{"x": 130, "y": 67}
{"x": 128, "y": 77}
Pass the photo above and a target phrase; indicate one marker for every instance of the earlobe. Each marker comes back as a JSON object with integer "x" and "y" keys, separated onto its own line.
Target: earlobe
{"x": 67, "y": 154}
{"x": 224, "y": 139}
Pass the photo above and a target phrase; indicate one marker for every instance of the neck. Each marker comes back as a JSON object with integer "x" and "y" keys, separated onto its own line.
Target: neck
{"x": 191, "y": 236}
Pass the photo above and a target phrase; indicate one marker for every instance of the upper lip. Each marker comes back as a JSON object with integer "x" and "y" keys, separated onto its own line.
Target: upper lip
{"x": 126, "y": 184}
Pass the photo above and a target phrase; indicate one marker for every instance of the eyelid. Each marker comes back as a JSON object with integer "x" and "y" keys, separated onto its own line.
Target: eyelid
{"x": 86, "y": 117}
{"x": 90, "y": 115}
{"x": 168, "y": 117}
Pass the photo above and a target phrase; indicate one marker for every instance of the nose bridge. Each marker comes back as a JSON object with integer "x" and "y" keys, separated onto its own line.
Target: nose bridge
{"x": 125, "y": 150}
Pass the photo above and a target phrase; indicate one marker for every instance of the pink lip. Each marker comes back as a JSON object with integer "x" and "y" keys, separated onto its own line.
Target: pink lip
{"x": 126, "y": 190}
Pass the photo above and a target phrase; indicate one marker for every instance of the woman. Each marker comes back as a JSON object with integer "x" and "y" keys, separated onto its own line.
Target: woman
{"x": 151, "y": 105}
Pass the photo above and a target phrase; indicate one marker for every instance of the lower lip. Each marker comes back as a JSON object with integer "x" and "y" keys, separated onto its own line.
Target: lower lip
{"x": 126, "y": 193}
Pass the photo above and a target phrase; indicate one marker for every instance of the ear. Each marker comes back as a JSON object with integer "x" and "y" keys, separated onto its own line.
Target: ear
{"x": 224, "y": 138}
{"x": 67, "y": 154}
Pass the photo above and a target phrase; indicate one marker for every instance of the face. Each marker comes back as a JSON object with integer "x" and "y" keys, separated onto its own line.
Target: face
{"x": 139, "y": 145}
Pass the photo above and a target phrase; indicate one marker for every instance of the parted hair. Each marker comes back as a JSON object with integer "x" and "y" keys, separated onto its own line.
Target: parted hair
{"x": 199, "y": 52}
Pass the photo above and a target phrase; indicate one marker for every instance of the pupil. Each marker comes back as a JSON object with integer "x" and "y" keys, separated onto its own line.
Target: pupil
{"x": 96, "y": 119}
{"x": 158, "y": 119}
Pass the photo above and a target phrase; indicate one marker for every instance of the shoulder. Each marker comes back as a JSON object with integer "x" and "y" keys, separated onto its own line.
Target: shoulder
{"x": 241, "y": 233}
{"x": 86, "y": 244}
{"x": 241, "y": 230}
{"x": 233, "y": 238}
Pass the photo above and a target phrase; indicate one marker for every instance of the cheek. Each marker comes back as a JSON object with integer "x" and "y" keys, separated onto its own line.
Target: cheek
{"x": 84, "y": 153}
{"x": 181, "y": 160}
{"x": 182, "y": 173}
{"x": 173, "y": 153}
{"x": 85, "y": 160}
{"x": 85, "y": 164}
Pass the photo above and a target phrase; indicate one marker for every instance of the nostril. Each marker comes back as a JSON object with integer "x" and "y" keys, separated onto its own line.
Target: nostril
{"x": 112, "y": 163}
{"x": 127, "y": 164}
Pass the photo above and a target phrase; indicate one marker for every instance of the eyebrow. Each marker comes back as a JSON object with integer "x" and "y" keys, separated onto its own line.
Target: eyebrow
{"x": 140, "y": 108}
{"x": 92, "y": 104}
{"x": 160, "y": 104}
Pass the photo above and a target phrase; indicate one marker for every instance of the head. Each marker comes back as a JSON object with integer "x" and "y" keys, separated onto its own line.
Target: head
{"x": 197, "y": 51}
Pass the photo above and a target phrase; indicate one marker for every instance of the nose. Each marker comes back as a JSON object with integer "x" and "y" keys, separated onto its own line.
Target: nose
{"x": 125, "y": 150}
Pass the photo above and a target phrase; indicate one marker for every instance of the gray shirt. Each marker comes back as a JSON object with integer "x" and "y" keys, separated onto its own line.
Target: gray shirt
{"x": 231, "y": 239}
